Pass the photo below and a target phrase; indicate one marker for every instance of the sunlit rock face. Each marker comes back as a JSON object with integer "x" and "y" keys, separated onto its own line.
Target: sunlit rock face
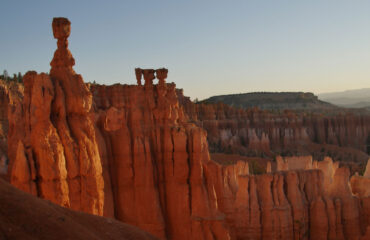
{"x": 130, "y": 152}
{"x": 56, "y": 155}
{"x": 292, "y": 204}
{"x": 123, "y": 151}
{"x": 156, "y": 162}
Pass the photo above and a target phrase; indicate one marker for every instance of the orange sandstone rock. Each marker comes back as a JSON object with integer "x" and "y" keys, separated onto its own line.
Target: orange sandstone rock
{"x": 159, "y": 165}
{"x": 253, "y": 131}
{"x": 294, "y": 163}
{"x": 59, "y": 137}
{"x": 367, "y": 170}
{"x": 11, "y": 94}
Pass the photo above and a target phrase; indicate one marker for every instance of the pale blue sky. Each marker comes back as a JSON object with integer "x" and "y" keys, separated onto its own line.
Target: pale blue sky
{"x": 209, "y": 47}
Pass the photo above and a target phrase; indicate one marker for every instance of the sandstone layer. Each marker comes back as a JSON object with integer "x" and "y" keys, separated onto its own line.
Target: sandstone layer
{"x": 317, "y": 203}
{"x": 156, "y": 162}
{"x": 52, "y": 137}
{"x": 11, "y": 95}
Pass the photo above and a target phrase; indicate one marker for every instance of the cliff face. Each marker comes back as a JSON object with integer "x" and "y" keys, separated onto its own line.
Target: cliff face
{"x": 130, "y": 156}
{"x": 129, "y": 152}
{"x": 294, "y": 204}
{"x": 286, "y": 205}
{"x": 360, "y": 188}
{"x": 52, "y": 138}
{"x": 250, "y": 132}
{"x": 156, "y": 162}
{"x": 3, "y": 126}
{"x": 11, "y": 95}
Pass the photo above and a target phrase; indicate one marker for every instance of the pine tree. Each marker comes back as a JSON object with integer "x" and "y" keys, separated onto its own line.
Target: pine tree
{"x": 20, "y": 77}
{"x": 5, "y": 74}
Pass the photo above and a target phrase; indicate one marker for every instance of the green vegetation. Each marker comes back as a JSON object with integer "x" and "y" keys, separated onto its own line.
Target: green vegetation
{"x": 272, "y": 101}
{"x": 16, "y": 77}
{"x": 362, "y": 168}
{"x": 255, "y": 168}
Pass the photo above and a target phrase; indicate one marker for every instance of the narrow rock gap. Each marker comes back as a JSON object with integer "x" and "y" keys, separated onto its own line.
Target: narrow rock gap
{"x": 285, "y": 188}
{"x": 36, "y": 167}
{"x": 189, "y": 149}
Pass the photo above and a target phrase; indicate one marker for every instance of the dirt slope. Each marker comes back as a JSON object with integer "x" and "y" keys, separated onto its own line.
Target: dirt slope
{"x": 23, "y": 216}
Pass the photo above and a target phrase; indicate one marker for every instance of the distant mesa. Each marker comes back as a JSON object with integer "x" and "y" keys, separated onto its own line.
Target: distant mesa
{"x": 273, "y": 101}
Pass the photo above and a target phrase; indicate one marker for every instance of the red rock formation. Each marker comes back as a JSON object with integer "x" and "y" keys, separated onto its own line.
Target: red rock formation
{"x": 60, "y": 158}
{"x": 4, "y": 93}
{"x": 129, "y": 152}
{"x": 288, "y": 205}
{"x": 360, "y": 188}
{"x": 294, "y": 163}
{"x": 3, "y": 127}
{"x": 138, "y": 73}
{"x": 157, "y": 162}
{"x": 154, "y": 163}
{"x": 250, "y": 132}
{"x": 10, "y": 95}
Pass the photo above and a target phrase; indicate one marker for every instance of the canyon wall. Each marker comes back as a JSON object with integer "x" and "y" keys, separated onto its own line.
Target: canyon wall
{"x": 11, "y": 95}
{"x": 301, "y": 199}
{"x": 289, "y": 205}
{"x": 51, "y": 135}
{"x": 118, "y": 151}
{"x": 130, "y": 152}
{"x": 343, "y": 136}
{"x": 156, "y": 163}
{"x": 4, "y": 93}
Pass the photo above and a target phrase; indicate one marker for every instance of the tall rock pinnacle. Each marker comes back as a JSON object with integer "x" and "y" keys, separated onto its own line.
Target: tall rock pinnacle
{"x": 78, "y": 97}
{"x": 71, "y": 117}
{"x": 60, "y": 144}
{"x": 62, "y": 56}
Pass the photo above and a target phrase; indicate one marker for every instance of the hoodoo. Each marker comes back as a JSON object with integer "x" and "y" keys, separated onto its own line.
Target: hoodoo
{"x": 57, "y": 156}
{"x": 344, "y": 136}
{"x": 130, "y": 152}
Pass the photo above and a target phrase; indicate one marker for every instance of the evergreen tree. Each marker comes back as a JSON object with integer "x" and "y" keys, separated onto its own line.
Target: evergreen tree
{"x": 5, "y": 75}
{"x": 20, "y": 77}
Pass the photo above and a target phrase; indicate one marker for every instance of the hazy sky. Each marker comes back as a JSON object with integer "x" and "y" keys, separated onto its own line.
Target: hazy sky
{"x": 209, "y": 47}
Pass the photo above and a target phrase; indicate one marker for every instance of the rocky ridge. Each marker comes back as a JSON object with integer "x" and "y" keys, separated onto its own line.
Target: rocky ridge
{"x": 273, "y": 101}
